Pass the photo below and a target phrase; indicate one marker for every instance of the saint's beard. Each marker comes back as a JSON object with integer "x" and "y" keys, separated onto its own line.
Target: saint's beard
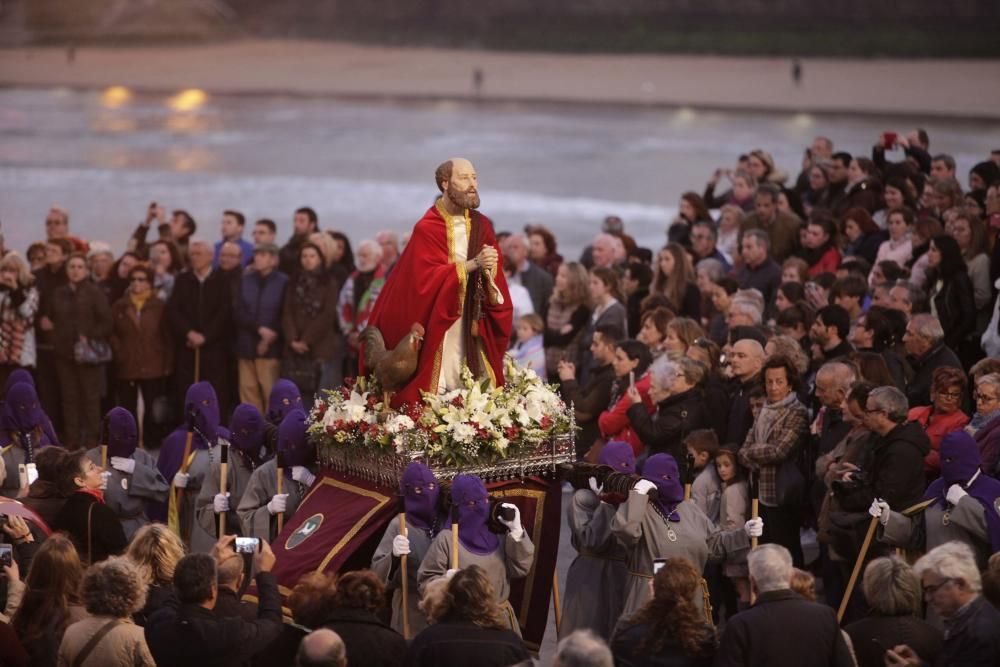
{"x": 463, "y": 198}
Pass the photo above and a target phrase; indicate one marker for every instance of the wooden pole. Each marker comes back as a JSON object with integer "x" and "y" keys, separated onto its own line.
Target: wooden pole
{"x": 556, "y": 603}
{"x": 754, "y": 514}
{"x": 104, "y": 457}
{"x": 406, "y": 580}
{"x": 197, "y": 364}
{"x": 280, "y": 482}
{"x": 454, "y": 538}
{"x": 858, "y": 564}
{"x": 223, "y": 480}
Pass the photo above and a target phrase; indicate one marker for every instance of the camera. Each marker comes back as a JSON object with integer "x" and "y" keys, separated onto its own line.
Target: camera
{"x": 6, "y": 555}
{"x": 498, "y": 512}
{"x": 246, "y": 545}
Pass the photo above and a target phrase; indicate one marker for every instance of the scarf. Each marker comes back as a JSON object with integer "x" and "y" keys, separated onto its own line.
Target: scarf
{"x": 961, "y": 464}
{"x": 661, "y": 470}
{"x": 139, "y": 300}
{"x": 420, "y": 491}
{"x": 307, "y": 292}
{"x": 980, "y": 420}
{"x": 469, "y": 497}
{"x": 97, "y": 493}
{"x": 767, "y": 417}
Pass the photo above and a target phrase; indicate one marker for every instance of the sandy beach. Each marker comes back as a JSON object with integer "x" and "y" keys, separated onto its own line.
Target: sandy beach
{"x": 912, "y": 88}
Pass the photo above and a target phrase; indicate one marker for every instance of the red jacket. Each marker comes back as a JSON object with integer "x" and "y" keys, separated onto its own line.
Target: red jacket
{"x": 936, "y": 426}
{"x": 614, "y": 422}
{"x": 828, "y": 263}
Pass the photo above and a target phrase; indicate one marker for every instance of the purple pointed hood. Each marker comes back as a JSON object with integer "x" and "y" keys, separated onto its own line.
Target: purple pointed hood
{"x": 662, "y": 470}
{"x": 246, "y": 432}
{"x": 618, "y": 455}
{"x": 284, "y": 398}
{"x": 468, "y": 495}
{"x": 120, "y": 433}
{"x": 420, "y": 491}
{"x": 201, "y": 411}
{"x": 22, "y": 414}
{"x": 294, "y": 447}
{"x": 17, "y": 376}
{"x": 960, "y": 461}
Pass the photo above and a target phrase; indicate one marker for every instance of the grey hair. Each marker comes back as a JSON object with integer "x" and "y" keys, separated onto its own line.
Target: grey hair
{"x": 752, "y": 295}
{"x": 321, "y": 648}
{"x": 376, "y": 248}
{"x": 583, "y": 648}
{"x": 843, "y": 375}
{"x": 991, "y": 379}
{"x": 113, "y": 588}
{"x": 200, "y": 240}
{"x": 770, "y": 567}
{"x": 712, "y": 267}
{"x": 891, "y": 587}
{"x": 709, "y": 225}
{"x": 892, "y": 400}
{"x": 951, "y": 560}
{"x": 747, "y": 308}
{"x": 663, "y": 372}
{"x": 693, "y": 371}
{"x": 604, "y": 237}
{"x": 928, "y": 327}
{"x": 760, "y": 235}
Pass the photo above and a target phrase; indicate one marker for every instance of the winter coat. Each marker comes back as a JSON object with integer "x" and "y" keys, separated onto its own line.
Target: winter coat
{"x": 675, "y": 417}
{"x": 141, "y": 341}
{"x": 988, "y": 439}
{"x": 588, "y": 402}
{"x": 123, "y": 646}
{"x": 625, "y": 648}
{"x": 956, "y": 308}
{"x": 105, "y": 536}
{"x": 895, "y": 465}
{"x": 458, "y": 643}
{"x": 75, "y": 312}
{"x": 919, "y": 390}
{"x": 615, "y": 422}
{"x": 974, "y": 638}
{"x": 319, "y": 328}
{"x": 369, "y": 642}
{"x": 259, "y": 305}
{"x": 870, "y": 634}
{"x": 936, "y": 426}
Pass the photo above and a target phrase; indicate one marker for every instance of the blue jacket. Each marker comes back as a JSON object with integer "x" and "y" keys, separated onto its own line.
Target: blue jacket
{"x": 259, "y": 305}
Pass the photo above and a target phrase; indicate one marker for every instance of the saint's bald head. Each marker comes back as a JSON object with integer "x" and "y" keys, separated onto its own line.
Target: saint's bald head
{"x": 457, "y": 181}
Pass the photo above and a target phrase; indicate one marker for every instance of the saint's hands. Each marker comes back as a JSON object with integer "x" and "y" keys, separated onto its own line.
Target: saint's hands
{"x": 487, "y": 258}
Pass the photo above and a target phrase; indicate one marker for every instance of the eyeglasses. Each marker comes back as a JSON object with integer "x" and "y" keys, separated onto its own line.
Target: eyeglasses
{"x": 139, "y": 279}
{"x": 934, "y": 588}
{"x": 953, "y": 395}
{"x": 985, "y": 398}
{"x": 872, "y": 411}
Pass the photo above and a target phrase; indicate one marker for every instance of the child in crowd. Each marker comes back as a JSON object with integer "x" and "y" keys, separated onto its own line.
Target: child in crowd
{"x": 529, "y": 351}
{"x": 734, "y": 510}
{"x": 706, "y": 491}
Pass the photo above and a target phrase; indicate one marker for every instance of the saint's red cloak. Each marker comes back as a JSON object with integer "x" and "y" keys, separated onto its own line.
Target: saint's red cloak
{"x": 427, "y": 286}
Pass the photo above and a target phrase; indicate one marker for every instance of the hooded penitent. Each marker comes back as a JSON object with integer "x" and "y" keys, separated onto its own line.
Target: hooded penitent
{"x": 246, "y": 433}
{"x": 469, "y": 497}
{"x": 420, "y": 491}
{"x": 120, "y": 433}
{"x": 618, "y": 455}
{"x": 661, "y": 470}
{"x": 201, "y": 414}
{"x": 23, "y": 415}
{"x": 284, "y": 398}
{"x": 294, "y": 448}
{"x": 17, "y": 376}
{"x": 961, "y": 464}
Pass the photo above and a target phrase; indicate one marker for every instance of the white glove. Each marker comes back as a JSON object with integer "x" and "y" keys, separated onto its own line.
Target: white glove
{"x": 643, "y": 486}
{"x": 302, "y": 475}
{"x": 400, "y": 545}
{"x": 754, "y": 527}
{"x": 181, "y": 480}
{"x": 514, "y": 525}
{"x": 221, "y": 502}
{"x": 598, "y": 489}
{"x": 278, "y": 504}
{"x": 880, "y": 510}
{"x": 123, "y": 464}
{"x": 955, "y": 494}
{"x": 104, "y": 479}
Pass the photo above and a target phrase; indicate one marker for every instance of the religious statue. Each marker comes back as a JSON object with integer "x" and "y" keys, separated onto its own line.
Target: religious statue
{"x": 447, "y": 281}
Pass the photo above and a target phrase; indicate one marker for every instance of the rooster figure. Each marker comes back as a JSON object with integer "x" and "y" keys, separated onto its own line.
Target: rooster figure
{"x": 392, "y": 368}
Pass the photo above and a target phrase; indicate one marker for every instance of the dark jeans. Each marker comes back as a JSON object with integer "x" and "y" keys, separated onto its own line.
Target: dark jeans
{"x": 157, "y": 415}
{"x": 80, "y": 385}
{"x": 781, "y": 526}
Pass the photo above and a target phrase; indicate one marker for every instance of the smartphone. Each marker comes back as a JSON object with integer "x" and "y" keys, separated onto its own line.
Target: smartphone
{"x": 658, "y": 564}
{"x": 631, "y": 378}
{"x": 246, "y": 545}
{"x": 6, "y": 555}
{"x": 889, "y": 139}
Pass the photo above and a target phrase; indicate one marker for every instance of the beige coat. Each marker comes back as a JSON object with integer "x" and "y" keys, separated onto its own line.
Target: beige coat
{"x": 124, "y": 646}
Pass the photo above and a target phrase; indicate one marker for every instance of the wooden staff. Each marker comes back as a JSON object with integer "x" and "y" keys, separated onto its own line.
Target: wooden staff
{"x": 197, "y": 364}
{"x": 406, "y": 582}
{"x": 858, "y": 564}
{"x": 754, "y": 514}
{"x": 104, "y": 457}
{"x": 223, "y": 479}
{"x": 280, "y": 482}
{"x": 454, "y": 538}
{"x": 557, "y": 605}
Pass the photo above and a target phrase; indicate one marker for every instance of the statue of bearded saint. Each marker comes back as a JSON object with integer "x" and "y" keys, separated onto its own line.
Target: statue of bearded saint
{"x": 447, "y": 280}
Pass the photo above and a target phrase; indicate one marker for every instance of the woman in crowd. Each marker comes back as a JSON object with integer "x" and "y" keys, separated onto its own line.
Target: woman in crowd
{"x": 341, "y": 257}
{"x": 24, "y": 430}
{"x": 706, "y": 352}
{"x": 155, "y": 550}
{"x": 468, "y": 627}
{"x": 924, "y": 230}
{"x": 761, "y": 167}
{"x": 730, "y": 222}
{"x": 896, "y": 194}
{"x": 143, "y": 353}
{"x": 91, "y": 524}
{"x": 667, "y": 526}
{"x": 606, "y": 301}
{"x": 675, "y": 388}
{"x": 314, "y": 356}
{"x": 985, "y": 423}
{"x": 370, "y": 643}
{"x": 773, "y": 443}
{"x": 950, "y": 294}
{"x": 674, "y": 278}
{"x": 788, "y": 295}
{"x": 795, "y": 270}
{"x": 18, "y": 307}
{"x": 165, "y": 260}
{"x": 542, "y": 249}
{"x": 819, "y": 247}
{"x": 690, "y": 210}
{"x": 682, "y": 332}
{"x": 51, "y": 600}
{"x": 669, "y": 629}
{"x": 567, "y": 317}
{"x": 632, "y": 360}
{"x": 791, "y": 349}
{"x": 790, "y": 203}
{"x": 899, "y": 246}
{"x": 654, "y": 328}
{"x": 864, "y": 189}
{"x": 112, "y": 592}
{"x": 815, "y": 195}
{"x": 101, "y": 262}
{"x": 864, "y": 238}
{"x": 893, "y": 593}
{"x": 739, "y": 195}
{"x": 969, "y": 232}
{"x": 943, "y": 415}
{"x": 887, "y": 271}
{"x": 707, "y": 272}
{"x": 81, "y": 323}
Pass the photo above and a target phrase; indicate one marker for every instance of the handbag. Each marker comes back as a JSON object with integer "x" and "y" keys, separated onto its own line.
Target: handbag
{"x": 303, "y": 371}
{"x": 91, "y": 352}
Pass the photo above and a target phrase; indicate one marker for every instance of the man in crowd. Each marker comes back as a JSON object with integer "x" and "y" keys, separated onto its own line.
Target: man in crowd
{"x": 895, "y": 464}
{"x": 304, "y": 222}
{"x": 592, "y": 398}
{"x": 924, "y": 341}
{"x": 603, "y": 250}
{"x": 907, "y": 298}
{"x": 829, "y": 334}
{"x": 264, "y": 231}
{"x": 57, "y": 227}
{"x": 833, "y": 382}
{"x": 390, "y": 248}
{"x": 943, "y": 167}
{"x": 232, "y": 226}
{"x": 258, "y": 320}
{"x": 537, "y": 281}
{"x": 782, "y": 228}
{"x": 47, "y": 280}
{"x": 759, "y": 271}
{"x": 703, "y": 244}
{"x": 321, "y": 648}
{"x": 836, "y": 191}
{"x": 746, "y": 362}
